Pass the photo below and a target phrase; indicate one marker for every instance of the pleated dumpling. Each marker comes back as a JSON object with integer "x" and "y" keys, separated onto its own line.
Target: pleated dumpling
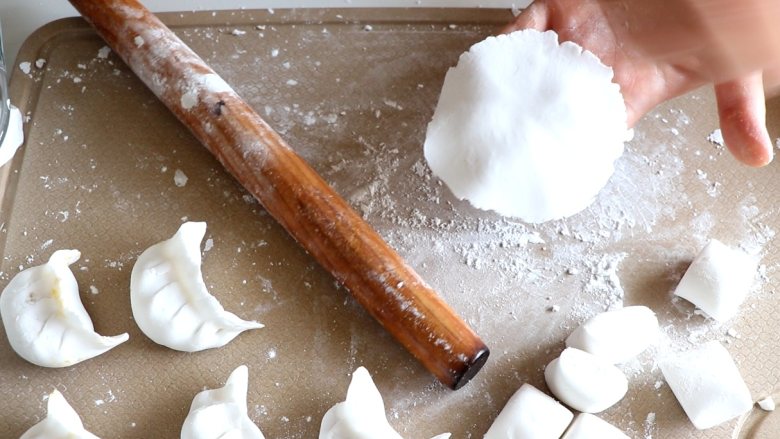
{"x": 170, "y": 301}
{"x": 361, "y": 415}
{"x": 61, "y": 422}
{"x": 44, "y": 319}
{"x": 221, "y": 413}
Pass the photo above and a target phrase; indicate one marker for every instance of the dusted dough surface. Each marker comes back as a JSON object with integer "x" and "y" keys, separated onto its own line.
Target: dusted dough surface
{"x": 222, "y": 413}
{"x": 707, "y": 384}
{"x": 170, "y": 301}
{"x": 530, "y": 413}
{"x": 44, "y": 319}
{"x": 61, "y": 422}
{"x": 527, "y": 127}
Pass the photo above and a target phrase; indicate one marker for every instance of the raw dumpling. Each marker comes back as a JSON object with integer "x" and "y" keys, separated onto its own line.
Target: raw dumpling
{"x": 527, "y": 127}
{"x": 44, "y": 319}
{"x": 62, "y": 422}
{"x": 221, "y": 413}
{"x": 169, "y": 298}
{"x": 361, "y": 415}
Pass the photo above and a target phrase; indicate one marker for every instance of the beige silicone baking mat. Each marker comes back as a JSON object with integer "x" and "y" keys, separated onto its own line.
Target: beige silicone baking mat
{"x": 352, "y": 91}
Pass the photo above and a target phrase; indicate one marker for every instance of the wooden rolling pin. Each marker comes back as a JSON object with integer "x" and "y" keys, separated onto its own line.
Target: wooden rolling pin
{"x": 310, "y": 210}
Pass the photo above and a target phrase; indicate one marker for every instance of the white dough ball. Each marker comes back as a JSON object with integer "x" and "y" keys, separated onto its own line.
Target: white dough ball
{"x": 587, "y": 426}
{"x": 527, "y": 127}
{"x": 617, "y": 336}
{"x": 584, "y": 381}
{"x": 707, "y": 384}
{"x": 718, "y": 280}
{"x": 530, "y": 413}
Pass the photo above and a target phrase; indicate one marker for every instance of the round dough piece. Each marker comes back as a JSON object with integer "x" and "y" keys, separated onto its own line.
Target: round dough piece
{"x": 527, "y": 127}
{"x": 584, "y": 381}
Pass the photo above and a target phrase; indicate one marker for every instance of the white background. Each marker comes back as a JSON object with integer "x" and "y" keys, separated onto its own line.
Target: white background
{"x": 20, "y": 18}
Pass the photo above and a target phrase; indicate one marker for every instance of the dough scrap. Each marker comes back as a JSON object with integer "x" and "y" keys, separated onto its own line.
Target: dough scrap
{"x": 527, "y": 127}
{"x": 170, "y": 301}
{"x": 44, "y": 319}
{"x": 530, "y": 413}
{"x": 222, "y": 413}
{"x": 718, "y": 280}
{"x": 617, "y": 336}
{"x": 61, "y": 422}
{"x": 707, "y": 384}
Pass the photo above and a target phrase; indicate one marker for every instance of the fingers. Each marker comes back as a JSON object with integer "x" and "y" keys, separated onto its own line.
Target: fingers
{"x": 536, "y": 16}
{"x": 742, "y": 113}
{"x": 772, "y": 82}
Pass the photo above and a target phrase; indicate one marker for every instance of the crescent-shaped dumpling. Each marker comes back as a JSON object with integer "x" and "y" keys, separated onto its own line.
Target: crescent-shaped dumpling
{"x": 361, "y": 415}
{"x": 61, "y": 422}
{"x": 44, "y": 319}
{"x": 221, "y": 413}
{"x": 170, "y": 301}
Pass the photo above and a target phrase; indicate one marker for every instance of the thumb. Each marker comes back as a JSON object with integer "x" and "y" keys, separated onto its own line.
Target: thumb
{"x": 742, "y": 113}
{"x": 536, "y": 16}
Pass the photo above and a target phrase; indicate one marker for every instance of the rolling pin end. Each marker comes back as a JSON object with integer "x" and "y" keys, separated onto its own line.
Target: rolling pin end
{"x": 471, "y": 369}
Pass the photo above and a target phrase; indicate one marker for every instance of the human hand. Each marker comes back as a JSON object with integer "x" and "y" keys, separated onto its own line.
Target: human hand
{"x": 661, "y": 49}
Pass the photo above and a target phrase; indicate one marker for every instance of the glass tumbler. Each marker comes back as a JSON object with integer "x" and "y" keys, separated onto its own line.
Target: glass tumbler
{"x": 5, "y": 103}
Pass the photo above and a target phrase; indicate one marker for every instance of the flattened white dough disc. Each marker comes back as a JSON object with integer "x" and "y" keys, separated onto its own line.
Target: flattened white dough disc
{"x": 527, "y": 127}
